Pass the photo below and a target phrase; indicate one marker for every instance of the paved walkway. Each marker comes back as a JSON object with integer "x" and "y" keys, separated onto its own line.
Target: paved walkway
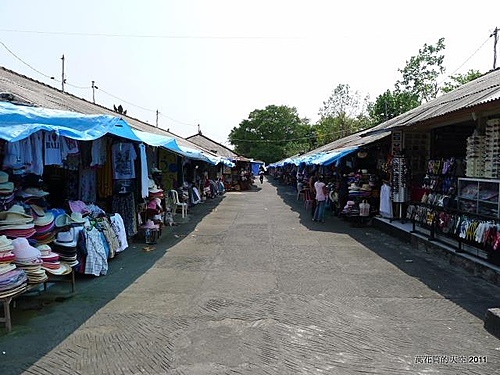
{"x": 252, "y": 286}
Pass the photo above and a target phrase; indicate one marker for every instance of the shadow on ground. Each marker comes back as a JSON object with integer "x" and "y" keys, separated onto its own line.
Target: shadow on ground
{"x": 470, "y": 292}
{"x": 42, "y": 320}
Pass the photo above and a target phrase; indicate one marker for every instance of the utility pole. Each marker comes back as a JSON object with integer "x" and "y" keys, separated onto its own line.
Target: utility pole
{"x": 199, "y": 129}
{"x": 94, "y": 87}
{"x": 63, "y": 80}
{"x": 157, "y": 118}
{"x": 495, "y": 34}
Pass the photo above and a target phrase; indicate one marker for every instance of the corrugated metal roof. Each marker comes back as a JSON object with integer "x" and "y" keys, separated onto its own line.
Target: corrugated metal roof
{"x": 213, "y": 146}
{"x": 480, "y": 91}
{"x": 28, "y": 90}
{"x": 351, "y": 141}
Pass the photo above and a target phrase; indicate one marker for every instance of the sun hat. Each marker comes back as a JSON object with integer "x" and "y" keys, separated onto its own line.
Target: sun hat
{"x": 24, "y": 251}
{"x": 63, "y": 269}
{"x": 6, "y": 187}
{"x": 77, "y": 218}
{"x": 155, "y": 189}
{"x": 78, "y": 206}
{"x": 15, "y": 233}
{"x": 63, "y": 220}
{"x": 38, "y": 211}
{"x": 7, "y": 268}
{"x": 4, "y": 177}
{"x": 15, "y": 215}
{"x": 366, "y": 187}
{"x": 5, "y": 243}
{"x": 65, "y": 238}
{"x": 34, "y": 192}
{"x": 150, "y": 225}
{"x": 44, "y": 220}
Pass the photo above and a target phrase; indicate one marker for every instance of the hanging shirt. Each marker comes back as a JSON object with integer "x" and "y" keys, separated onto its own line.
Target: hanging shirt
{"x": 52, "y": 143}
{"x": 36, "y": 166}
{"x": 68, "y": 147}
{"x": 144, "y": 171}
{"x": 124, "y": 156}
{"x": 98, "y": 152}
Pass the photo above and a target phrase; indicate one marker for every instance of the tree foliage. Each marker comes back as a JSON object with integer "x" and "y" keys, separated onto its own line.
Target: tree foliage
{"x": 391, "y": 104}
{"x": 272, "y": 134}
{"x": 459, "y": 79}
{"x": 420, "y": 75}
{"x": 344, "y": 113}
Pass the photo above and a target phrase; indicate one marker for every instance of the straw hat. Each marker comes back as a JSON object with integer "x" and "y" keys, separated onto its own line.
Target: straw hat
{"x": 63, "y": 220}
{"x": 15, "y": 215}
{"x": 77, "y": 218}
{"x": 4, "y": 177}
{"x": 6, "y": 187}
{"x": 65, "y": 239}
{"x": 44, "y": 220}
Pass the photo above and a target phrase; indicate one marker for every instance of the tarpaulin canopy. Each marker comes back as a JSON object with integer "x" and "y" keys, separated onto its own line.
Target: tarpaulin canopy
{"x": 320, "y": 158}
{"x": 18, "y": 122}
{"x": 171, "y": 144}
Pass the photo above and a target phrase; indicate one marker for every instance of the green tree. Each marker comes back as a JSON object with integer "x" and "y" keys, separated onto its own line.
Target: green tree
{"x": 459, "y": 79}
{"x": 421, "y": 73}
{"x": 344, "y": 113}
{"x": 272, "y": 134}
{"x": 391, "y": 104}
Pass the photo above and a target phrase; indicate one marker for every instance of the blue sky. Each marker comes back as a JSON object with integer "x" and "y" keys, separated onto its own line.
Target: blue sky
{"x": 213, "y": 62}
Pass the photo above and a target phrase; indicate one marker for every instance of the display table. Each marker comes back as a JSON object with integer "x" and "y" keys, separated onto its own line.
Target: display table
{"x": 6, "y": 301}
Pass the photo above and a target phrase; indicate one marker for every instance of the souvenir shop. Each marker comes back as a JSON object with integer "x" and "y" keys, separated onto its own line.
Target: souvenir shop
{"x": 448, "y": 184}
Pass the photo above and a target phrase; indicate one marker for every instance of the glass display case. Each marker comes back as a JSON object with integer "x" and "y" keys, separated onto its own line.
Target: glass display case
{"x": 479, "y": 196}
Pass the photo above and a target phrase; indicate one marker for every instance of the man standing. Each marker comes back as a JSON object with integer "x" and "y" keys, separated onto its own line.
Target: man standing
{"x": 321, "y": 194}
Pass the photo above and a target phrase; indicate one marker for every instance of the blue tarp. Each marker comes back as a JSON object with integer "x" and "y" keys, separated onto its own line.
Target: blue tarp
{"x": 18, "y": 122}
{"x": 321, "y": 158}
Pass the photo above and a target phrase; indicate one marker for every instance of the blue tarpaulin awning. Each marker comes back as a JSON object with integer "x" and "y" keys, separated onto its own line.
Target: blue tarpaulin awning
{"x": 19, "y": 122}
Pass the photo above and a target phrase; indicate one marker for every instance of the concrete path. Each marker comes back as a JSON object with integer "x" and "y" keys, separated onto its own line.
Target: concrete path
{"x": 252, "y": 286}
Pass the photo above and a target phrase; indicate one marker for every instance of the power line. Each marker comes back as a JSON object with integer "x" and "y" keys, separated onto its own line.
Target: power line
{"x": 88, "y": 87}
{"x": 471, "y": 56}
{"x": 24, "y": 62}
{"x": 274, "y": 140}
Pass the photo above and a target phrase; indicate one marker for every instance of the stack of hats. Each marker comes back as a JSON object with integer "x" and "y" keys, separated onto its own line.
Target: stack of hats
{"x": 51, "y": 263}
{"x": 15, "y": 222}
{"x": 154, "y": 190}
{"x": 65, "y": 246}
{"x": 6, "y": 191}
{"x": 44, "y": 227}
{"x": 7, "y": 257}
{"x": 29, "y": 259}
{"x": 13, "y": 282}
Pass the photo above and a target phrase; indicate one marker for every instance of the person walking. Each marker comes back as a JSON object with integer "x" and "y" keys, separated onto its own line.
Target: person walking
{"x": 261, "y": 174}
{"x": 321, "y": 194}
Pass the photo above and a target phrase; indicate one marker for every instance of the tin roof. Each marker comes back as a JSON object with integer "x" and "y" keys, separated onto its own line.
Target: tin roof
{"x": 478, "y": 93}
{"x": 215, "y": 147}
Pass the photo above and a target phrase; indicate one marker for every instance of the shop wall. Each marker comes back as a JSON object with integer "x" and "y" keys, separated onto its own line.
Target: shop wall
{"x": 168, "y": 163}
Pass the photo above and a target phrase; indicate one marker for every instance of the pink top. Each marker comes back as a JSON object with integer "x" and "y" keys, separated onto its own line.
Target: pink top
{"x": 320, "y": 194}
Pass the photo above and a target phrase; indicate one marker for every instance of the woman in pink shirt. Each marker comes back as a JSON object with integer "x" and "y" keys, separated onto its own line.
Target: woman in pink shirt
{"x": 321, "y": 194}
